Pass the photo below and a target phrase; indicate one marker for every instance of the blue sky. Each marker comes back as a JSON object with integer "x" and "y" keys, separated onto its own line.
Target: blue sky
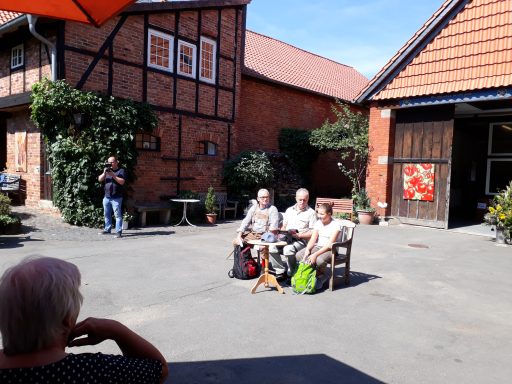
{"x": 364, "y": 34}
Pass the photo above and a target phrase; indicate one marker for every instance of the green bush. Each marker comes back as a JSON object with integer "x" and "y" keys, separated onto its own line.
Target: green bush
{"x": 77, "y": 154}
{"x": 248, "y": 172}
{"x": 9, "y": 219}
{"x": 5, "y": 205}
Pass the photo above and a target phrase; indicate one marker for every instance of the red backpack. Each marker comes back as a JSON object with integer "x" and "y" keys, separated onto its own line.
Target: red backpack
{"x": 244, "y": 266}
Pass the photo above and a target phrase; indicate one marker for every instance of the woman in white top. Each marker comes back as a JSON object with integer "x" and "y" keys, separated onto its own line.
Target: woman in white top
{"x": 318, "y": 251}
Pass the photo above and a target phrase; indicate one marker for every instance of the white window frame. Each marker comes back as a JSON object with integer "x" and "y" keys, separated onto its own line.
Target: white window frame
{"x": 491, "y": 130}
{"x": 194, "y": 54}
{"x": 214, "y": 63}
{"x": 17, "y": 56}
{"x": 166, "y": 36}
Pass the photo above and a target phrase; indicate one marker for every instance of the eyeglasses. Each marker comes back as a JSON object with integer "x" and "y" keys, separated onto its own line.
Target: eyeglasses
{"x": 263, "y": 197}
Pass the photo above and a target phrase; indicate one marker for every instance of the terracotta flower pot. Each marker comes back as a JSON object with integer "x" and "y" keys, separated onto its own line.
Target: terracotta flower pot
{"x": 365, "y": 217}
{"x": 211, "y": 218}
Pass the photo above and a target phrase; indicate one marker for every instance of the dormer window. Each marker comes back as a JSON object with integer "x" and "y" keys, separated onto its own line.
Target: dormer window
{"x": 207, "y": 148}
{"x": 17, "y": 57}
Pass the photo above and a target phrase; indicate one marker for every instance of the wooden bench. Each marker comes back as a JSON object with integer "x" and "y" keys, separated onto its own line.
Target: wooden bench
{"x": 338, "y": 205}
{"x": 10, "y": 184}
{"x": 163, "y": 208}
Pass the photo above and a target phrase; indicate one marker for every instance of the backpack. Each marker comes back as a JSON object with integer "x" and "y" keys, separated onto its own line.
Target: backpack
{"x": 304, "y": 279}
{"x": 244, "y": 266}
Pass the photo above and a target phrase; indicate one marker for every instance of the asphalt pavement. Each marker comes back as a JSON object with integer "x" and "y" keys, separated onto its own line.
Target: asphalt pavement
{"x": 424, "y": 305}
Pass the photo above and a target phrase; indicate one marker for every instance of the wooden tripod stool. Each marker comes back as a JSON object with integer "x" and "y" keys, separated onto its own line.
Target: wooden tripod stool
{"x": 265, "y": 277}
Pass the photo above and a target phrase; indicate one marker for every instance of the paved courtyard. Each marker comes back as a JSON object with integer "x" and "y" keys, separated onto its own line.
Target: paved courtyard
{"x": 424, "y": 306}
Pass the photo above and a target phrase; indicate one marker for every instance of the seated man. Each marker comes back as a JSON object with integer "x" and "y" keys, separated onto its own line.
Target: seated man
{"x": 298, "y": 221}
{"x": 261, "y": 217}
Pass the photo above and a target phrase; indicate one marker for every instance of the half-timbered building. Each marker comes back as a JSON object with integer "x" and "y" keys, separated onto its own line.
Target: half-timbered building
{"x": 183, "y": 58}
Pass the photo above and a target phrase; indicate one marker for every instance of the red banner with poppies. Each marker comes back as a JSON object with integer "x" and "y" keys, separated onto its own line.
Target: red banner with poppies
{"x": 419, "y": 182}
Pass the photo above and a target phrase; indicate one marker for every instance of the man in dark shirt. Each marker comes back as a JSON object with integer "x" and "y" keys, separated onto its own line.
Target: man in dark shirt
{"x": 114, "y": 178}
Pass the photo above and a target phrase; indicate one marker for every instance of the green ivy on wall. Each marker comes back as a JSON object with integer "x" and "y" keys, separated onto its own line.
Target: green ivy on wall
{"x": 77, "y": 153}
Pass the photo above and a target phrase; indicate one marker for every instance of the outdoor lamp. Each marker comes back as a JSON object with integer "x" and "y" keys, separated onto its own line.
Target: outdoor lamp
{"x": 78, "y": 118}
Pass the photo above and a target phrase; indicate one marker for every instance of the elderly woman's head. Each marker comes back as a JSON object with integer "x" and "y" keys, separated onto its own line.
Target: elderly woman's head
{"x": 39, "y": 297}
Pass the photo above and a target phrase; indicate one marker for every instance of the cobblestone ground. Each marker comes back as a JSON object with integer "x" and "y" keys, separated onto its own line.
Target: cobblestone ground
{"x": 44, "y": 225}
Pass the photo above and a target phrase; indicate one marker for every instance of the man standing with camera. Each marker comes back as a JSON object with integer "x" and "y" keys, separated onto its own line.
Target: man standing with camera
{"x": 114, "y": 178}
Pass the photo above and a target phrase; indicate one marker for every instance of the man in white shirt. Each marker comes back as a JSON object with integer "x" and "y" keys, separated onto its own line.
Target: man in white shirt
{"x": 298, "y": 221}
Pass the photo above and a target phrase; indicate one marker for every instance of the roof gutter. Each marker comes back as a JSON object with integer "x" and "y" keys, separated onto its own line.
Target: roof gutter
{"x": 12, "y": 25}
{"x": 32, "y": 20}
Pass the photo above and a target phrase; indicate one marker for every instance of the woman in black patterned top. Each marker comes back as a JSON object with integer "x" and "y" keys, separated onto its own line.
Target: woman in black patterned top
{"x": 39, "y": 304}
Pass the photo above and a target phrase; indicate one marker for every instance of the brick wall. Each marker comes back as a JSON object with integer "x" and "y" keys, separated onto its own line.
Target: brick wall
{"x": 21, "y": 79}
{"x": 32, "y": 175}
{"x": 380, "y": 172}
{"x": 266, "y": 108}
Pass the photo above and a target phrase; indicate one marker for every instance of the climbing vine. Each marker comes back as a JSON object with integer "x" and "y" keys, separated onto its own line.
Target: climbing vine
{"x": 77, "y": 152}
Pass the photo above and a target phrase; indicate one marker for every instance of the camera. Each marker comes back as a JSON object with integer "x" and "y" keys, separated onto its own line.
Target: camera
{"x": 107, "y": 166}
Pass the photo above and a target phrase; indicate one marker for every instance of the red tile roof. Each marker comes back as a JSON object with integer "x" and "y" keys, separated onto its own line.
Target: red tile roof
{"x": 6, "y": 16}
{"x": 274, "y": 60}
{"x": 471, "y": 51}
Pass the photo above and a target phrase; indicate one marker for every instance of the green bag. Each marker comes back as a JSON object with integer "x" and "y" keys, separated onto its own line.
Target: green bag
{"x": 304, "y": 279}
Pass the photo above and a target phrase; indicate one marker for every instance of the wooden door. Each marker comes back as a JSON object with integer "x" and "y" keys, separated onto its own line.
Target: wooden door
{"x": 423, "y": 135}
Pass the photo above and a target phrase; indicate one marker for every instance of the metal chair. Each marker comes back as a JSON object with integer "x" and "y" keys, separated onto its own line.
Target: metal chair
{"x": 340, "y": 251}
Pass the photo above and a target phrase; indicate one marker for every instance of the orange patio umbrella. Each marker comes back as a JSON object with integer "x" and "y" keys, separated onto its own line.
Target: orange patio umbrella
{"x": 94, "y": 12}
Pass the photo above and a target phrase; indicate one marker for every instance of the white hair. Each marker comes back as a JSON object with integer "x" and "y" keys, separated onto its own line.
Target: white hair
{"x": 302, "y": 191}
{"x": 36, "y": 296}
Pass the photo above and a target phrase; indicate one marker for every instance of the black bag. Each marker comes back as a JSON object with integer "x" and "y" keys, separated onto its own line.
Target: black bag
{"x": 244, "y": 266}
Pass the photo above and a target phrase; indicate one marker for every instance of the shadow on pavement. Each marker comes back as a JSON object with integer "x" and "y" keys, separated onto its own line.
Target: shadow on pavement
{"x": 302, "y": 369}
{"x": 357, "y": 278}
{"x": 134, "y": 234}
{"x": 15, "y": 241}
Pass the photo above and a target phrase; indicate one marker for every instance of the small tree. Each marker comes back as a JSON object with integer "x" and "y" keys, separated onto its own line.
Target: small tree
{"x": 348, "y": 135}
{"x": 209, "y": 201}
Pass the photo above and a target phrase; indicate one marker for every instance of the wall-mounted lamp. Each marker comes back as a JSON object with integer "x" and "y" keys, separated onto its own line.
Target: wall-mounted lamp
{"x": 78, "y": 118}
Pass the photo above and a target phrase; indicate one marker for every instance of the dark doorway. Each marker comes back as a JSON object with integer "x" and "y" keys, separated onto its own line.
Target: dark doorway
{"x": 468, "y": 200}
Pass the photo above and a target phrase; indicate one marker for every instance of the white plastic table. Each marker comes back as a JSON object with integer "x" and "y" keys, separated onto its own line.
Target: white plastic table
{"x": 185, "y": 202}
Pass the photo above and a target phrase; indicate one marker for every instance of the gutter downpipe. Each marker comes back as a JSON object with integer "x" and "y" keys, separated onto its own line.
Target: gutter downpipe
{"x": 32, "y": 20}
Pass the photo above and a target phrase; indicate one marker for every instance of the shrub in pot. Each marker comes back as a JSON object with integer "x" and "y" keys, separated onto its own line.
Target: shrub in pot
{"x": 365, "y": 212}
{"x": 210, "y": 206}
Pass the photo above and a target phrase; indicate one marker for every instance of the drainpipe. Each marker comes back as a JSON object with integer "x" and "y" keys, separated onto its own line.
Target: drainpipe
{"x": 32, "y": 20}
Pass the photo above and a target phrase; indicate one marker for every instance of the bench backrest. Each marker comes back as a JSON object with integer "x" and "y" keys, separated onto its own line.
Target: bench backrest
{"x": 10, "y": 182}
{"x": 220, "y": 197}
{"x": 338, "y": 205}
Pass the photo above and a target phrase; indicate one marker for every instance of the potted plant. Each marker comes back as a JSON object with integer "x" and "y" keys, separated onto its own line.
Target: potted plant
{"x": 210, "y": 206}
{"x": 500, "y": 214}
{"x": 9, "y": 224}
{"x": 127, "y": 220}
{"x": 365, "y": 212}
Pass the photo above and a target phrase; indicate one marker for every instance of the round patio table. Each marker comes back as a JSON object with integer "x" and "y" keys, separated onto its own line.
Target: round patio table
{"x": 266, "y": 278}
{"x": 184, "y": 216}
